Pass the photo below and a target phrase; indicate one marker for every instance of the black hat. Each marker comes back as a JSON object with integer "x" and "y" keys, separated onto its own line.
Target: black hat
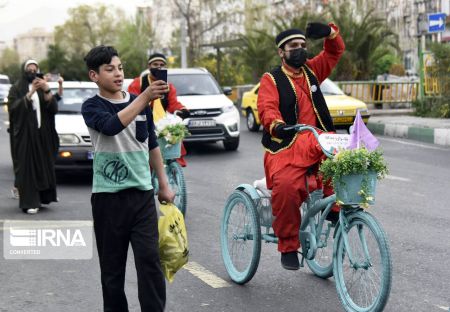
{"x": 288, "y": 35}
{"x": 157, "y": 57}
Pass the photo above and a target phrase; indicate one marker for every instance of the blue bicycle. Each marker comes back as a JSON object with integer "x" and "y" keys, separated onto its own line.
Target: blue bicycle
{"x": 175, "y": 176}
{"x": 355, "y": 249}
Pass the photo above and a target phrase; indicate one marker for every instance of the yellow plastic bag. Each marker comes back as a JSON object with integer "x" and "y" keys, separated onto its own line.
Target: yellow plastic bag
{"x": 173, "y": 243}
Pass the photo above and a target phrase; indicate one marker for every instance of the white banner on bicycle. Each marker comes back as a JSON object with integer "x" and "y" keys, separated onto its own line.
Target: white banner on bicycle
{"x": 334, "y": 141}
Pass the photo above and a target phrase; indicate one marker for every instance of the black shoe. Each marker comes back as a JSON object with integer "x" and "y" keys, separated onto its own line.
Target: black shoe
{"x": 289, "y": 260}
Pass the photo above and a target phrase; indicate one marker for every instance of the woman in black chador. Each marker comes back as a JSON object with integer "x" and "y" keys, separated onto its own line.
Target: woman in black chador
{"x": 34, "y": 141}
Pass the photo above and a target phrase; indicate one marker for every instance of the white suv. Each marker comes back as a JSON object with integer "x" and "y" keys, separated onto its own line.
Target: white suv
{"x": 213, "y": 115}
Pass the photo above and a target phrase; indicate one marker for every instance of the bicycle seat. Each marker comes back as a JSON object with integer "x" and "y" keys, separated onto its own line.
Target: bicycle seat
{"x": 262, "y": 187}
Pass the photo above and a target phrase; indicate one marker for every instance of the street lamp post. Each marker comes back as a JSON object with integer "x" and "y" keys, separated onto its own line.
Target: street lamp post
{"x": 422, "y": 28}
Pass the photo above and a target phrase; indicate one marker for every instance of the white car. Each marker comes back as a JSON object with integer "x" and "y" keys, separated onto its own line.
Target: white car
{"x": 213, "y": 116}
{"x": 76, "y": 150}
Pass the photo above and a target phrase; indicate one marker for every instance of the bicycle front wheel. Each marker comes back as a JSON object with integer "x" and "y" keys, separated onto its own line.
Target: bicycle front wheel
{"x": 364, "y": 284}
{"x": 240, "y": 237}
{"x": 177, "y": 183}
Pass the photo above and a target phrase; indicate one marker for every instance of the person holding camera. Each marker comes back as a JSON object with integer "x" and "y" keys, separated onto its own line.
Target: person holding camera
{"x": 157, "y": 64}
{"x": 34, "y": 141}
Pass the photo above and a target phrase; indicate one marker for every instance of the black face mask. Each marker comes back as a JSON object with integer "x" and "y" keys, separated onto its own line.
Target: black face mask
{"x": 297, "y": 57}
{"x": 30, "y": 76}
{"x": 154, "y": 71}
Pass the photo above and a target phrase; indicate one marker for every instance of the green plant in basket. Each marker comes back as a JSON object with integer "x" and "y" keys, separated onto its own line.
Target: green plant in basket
{"x": 171, "y": 129}
{"x": 355, "y": 162}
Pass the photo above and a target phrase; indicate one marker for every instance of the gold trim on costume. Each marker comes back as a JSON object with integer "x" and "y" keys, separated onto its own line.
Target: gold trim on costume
{"x": 312, "y": 101}
{"x": 295, "y": 93}
{"x": 273, "y": 78}
{"x": 274, "y": 123}
{"x": 276, "y": 139}
{"x": 295, "y": 36}
{"x": 287, "y": 72}
{"x": 284, "y": 148}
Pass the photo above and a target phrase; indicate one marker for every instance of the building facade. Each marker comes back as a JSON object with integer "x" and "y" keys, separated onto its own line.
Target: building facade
{"x": 33, "y": 44}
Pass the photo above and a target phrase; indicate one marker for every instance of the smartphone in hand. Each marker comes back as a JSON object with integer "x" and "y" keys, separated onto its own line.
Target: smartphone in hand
{"x": 40, "y": 75}
{"x": 161, "y": 74}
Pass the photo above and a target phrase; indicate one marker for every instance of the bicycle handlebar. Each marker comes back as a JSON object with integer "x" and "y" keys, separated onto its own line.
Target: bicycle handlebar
{"x": 303, "y": 127}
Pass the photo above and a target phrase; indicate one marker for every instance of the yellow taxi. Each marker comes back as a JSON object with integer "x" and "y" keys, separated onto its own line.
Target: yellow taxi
{"x": 343, "y": 108}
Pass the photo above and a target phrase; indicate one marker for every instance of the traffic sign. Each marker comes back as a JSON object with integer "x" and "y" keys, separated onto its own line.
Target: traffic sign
{"x": 436, "y": 22}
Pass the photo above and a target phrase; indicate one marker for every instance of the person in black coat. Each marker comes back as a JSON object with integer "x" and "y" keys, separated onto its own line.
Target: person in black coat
{"x": 34, "y": 141}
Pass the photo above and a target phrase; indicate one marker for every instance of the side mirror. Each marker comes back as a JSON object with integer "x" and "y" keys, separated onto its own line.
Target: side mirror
{"x": 227, "y": 90}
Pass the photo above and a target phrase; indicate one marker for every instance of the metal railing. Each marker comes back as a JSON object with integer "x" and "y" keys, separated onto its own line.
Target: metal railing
{"x": 381, "y": 92}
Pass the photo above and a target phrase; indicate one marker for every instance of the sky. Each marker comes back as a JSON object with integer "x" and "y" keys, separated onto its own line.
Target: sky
{"x": 20, "y": 16}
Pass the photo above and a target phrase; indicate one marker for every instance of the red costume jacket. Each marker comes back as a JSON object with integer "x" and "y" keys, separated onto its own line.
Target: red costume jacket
{"x": 305, "y": 151}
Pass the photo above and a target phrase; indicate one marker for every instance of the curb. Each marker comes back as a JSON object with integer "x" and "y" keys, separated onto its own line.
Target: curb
{"x": 439, "y": 136}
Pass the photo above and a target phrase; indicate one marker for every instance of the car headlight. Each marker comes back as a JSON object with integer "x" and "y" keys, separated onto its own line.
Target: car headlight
{"x": 228, "y": 108}
{"x": 68, "y": 139}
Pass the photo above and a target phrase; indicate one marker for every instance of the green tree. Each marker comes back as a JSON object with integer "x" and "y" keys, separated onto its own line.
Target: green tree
{"x": 230, "y": 71}
{"x": 87, "y": 27}
{"x": 367, "y": 39}
{"x": 56, "y": 57}
{"x": 10, "y": 64}
{"x": 384, "y": 63}
{"x": 257, "y": 54}
{"x": 133, "y": 43}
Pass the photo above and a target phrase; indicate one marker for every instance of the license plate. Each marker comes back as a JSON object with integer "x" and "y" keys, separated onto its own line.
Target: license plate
{"x": 202, "y": 123}
{"x": 90, "y": 155}
{"x": 342, "y": 119}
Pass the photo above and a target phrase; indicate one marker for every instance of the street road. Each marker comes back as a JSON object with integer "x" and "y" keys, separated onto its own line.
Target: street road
{"x": 412, "y": 204}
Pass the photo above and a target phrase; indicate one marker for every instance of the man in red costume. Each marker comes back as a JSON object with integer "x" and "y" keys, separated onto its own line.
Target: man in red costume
{"x": 169, "y": 103}
{"x": 288, "y": 95}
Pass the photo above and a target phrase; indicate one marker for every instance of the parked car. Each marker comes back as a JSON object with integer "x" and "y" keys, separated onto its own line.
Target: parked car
{"x": 213, "y": 117}
{"x": 4, "y": 91}
{"x": 76, "y": 150}
{"x": 5, "y": 85}
{"x": 342, "y": 107}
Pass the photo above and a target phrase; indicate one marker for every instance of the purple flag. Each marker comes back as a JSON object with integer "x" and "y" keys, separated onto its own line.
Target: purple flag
{"x": 360, "y": 136}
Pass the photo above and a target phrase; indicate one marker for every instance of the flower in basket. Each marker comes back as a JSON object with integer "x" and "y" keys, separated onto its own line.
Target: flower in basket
{"x": 171, "y": 129}
{"x": 358, "y": 166}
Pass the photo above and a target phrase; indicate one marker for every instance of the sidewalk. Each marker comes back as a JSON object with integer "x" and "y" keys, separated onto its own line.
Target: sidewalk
{"x": 402, "y": 124}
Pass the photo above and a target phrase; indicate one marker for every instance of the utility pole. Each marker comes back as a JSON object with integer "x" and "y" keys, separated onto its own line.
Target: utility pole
{"x": 183, "y": 43}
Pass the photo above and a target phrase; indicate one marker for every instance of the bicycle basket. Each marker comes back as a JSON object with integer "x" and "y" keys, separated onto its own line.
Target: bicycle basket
{"x": 169, "y": 151}
{"x": 356, "y": 189}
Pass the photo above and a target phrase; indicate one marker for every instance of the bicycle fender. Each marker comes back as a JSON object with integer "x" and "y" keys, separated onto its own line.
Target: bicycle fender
{"x": 250, "y": 190}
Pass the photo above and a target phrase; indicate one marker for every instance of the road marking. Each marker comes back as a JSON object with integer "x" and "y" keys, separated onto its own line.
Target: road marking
{"x": 443, "y": 308}
{"x": 395, "y": 178}
{"x": 205, "y": 275}
{"x": 416, "y": 144}
{"x": 41, "y": 223}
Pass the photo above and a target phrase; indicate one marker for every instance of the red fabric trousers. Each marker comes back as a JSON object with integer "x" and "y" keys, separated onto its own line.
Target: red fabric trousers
{"x": 288, "y": 193}
{"x": 181, "y": 160}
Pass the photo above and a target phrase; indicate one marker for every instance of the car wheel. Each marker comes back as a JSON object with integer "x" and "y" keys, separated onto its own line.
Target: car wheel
{"x": 231, "y": 144}
{"x": 252, "y": 125}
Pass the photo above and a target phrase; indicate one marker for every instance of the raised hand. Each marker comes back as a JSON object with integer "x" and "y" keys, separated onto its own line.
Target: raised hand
{"x": 157, "y": 89}
{"x": 317, "y": 30}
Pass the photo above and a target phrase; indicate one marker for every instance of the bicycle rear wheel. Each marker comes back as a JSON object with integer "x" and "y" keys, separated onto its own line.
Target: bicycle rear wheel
{"x": 322, "y": 264}
{"x": 177, "y": 183}
{"x": 365, "y": 285}
{"x": 240, "y": 237}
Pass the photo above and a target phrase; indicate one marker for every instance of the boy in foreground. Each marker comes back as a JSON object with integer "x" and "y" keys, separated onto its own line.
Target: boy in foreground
{"x": 123, "y": 205}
